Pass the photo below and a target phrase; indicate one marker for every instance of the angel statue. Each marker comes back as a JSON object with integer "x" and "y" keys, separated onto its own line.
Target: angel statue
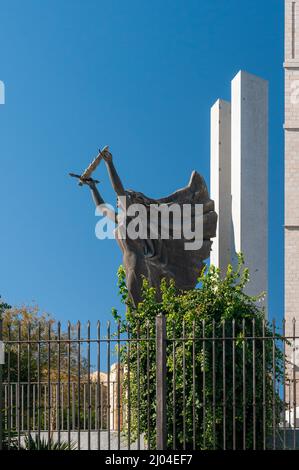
{"x": 153, "y": 256}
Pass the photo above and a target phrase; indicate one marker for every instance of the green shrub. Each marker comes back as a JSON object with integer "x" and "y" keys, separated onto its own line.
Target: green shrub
{"x": 218, "y": 306}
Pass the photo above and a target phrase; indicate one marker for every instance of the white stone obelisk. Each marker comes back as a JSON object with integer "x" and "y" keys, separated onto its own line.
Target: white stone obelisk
{"x": 249, "y": 176}
{"x": 220, "y": 182}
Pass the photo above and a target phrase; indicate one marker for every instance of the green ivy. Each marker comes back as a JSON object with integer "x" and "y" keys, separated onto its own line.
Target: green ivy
{"x": 197, "y": 382}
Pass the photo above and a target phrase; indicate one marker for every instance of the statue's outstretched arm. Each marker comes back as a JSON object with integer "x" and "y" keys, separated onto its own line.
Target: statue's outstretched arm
{"x": 99, "y": 201}
{"x": 114, "y": 178}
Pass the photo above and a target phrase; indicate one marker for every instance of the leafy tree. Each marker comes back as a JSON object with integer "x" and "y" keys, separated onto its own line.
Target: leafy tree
{"x": 41, "y": 361}
{"x": 26, "y": 324}
{"x": 209, "y": 378}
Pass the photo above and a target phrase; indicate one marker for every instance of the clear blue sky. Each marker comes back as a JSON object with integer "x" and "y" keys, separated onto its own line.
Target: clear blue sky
{"x": 141, "y": 76}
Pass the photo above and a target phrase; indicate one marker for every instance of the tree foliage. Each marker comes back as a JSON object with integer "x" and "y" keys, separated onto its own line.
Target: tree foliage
{"x": 38, "y": 352}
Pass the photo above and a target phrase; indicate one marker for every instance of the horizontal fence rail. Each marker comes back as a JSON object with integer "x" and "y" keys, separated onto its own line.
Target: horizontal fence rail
{"x": 152, "y": 385}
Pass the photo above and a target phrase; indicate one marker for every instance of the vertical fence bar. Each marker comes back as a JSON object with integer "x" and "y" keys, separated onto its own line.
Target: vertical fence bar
{"x": 93, "y": 400}
{"x": 55, "y": 388}
{"x": 49, "y": 387}
{"x": 264, "y": 387}
{"x": 274, "y": 385}
{"x": 214, "y": 384}
{"x": 108, "y": 385}
{"x": 79, "y": 382}
{"x": 95, "y": 403}
{"x": 1, "y": 391}
{"x": 13, "y": 408}
{"x": 102, "y": 405}
{"x": 161, "y": 358}
{"x": 224, "y": 381}
{"x": 234, "y": 381}
{"x": 118, "y": 385}
{"x": 38, "y": 384}
{"x": 88, "y": 385}
{"x": 193, "y": 387}
{"x": 84, "y": 406}
{"x": 244, "y": 382}
{"x": 174, "y": 387}
{"x": 28, "y": 384}
{"x": 62, "y": 407}
{"x": 138, "y": 386}
{"x": 18, "y": 401}
{"x": 22, "y": 406}
{"x": 68, "y": 419}
{"x": 284, "y": 383}
{"x": 14, "y": 405}
{"x": 113, "y": 405}
{"x": 4, "y": 406}
{"x": 294, "y": 383}
{"x": 184, "y": 386}
{"x": 58, "y": 397}
{"x": 99, "y": 387}
{"x": 9, "y": 392}
{"x": 129, "y": 387}
{"x": 289, "y": 403}
{"x": 73, "y": 406}
{"x": 33, "y": 404}
{"x": 204, "y": 382}
{"x": 148, "y": 382}
{"x": 45, "y": 406}
{"x": 253, "y": 385}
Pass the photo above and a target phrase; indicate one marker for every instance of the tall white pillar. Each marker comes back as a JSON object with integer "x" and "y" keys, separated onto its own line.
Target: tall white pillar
{"x": 221, "y": 182}
{"x": 249, "y": 176}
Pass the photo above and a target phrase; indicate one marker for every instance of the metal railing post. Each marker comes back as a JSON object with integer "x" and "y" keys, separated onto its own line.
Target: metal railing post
{"x": 161, "y": 439}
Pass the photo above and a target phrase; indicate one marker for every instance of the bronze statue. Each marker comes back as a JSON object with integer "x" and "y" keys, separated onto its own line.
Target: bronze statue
{"x": 155, "y": 257}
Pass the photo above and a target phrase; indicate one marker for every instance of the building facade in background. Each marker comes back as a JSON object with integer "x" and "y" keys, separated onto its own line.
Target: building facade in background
{"x": 291, "y": 129}
{"x": 291, "y": 126}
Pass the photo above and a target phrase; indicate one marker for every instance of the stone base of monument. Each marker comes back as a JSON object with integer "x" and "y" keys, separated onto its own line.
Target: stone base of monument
{"x": 104, "y": 439}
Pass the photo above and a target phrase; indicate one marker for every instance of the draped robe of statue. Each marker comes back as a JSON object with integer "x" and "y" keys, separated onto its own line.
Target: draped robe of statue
{"x": 160, "y": 258}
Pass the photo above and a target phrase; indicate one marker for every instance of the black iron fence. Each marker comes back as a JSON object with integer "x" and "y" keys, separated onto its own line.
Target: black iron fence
{"x": 196, "y": 385}
{"x": 16, "y": 410}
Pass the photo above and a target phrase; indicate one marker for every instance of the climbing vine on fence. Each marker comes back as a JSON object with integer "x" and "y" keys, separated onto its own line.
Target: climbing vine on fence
{"x": 225, "y": 391}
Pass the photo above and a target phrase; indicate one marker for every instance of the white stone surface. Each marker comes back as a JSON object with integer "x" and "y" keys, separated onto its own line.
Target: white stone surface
{"x": 106, "y": 441}
{"x": 249, "y": 176}
{"x": 221, "y": 182}
{"x": 292, "y": 166}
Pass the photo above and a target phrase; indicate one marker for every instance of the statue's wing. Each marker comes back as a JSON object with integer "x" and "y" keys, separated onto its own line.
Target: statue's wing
{"x": 195, "y": 191}
{"x": 169, "y": 258}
